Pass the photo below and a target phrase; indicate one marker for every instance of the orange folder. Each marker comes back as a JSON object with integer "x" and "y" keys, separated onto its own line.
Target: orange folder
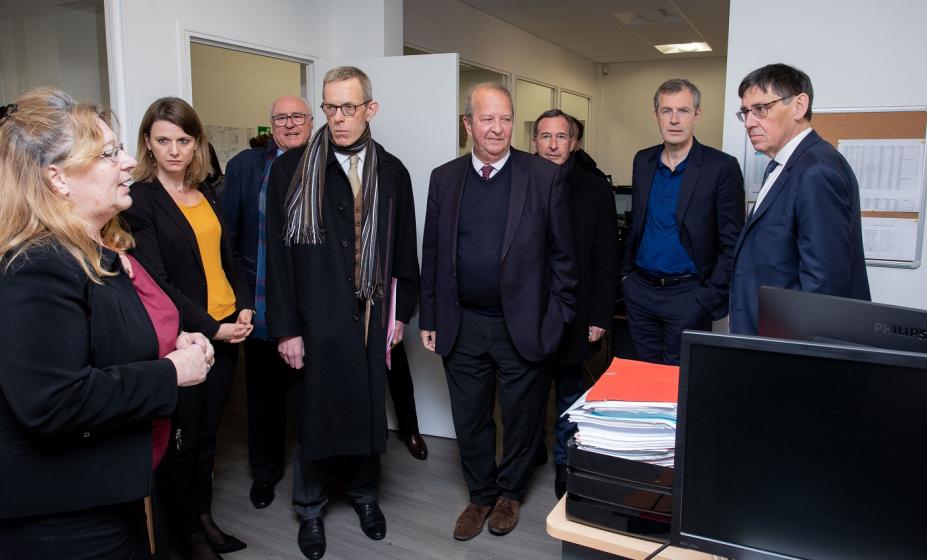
{"x": 630, "y": 380}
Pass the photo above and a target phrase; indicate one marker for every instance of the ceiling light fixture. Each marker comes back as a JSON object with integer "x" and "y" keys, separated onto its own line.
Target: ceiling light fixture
{"x": 679, "y": 48}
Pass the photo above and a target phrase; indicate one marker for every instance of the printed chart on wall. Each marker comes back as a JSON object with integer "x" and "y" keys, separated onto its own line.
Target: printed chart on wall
{"x": 891, "y": 189}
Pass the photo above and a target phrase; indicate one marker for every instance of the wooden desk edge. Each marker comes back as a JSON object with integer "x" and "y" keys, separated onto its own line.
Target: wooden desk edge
{"x": 559, "y": 527}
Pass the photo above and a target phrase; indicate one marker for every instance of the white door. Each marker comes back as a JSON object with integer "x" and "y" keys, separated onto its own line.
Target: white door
{"x": 417, "y": 122}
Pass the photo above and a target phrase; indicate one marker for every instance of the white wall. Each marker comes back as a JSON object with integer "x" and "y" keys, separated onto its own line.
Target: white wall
{"x": 450, "y": 26}
{"x": 627, "y": 124}
{"x": 148, "y": 42}
{"x": 858, "y": 54}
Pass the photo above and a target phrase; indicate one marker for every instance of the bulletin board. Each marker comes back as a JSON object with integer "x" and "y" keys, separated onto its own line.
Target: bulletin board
{"x": 887, "y": 150}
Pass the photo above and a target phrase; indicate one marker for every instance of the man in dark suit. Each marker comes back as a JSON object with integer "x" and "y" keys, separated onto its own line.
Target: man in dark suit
{"x": 497, "y": 290}
{"x": 687, "y": 210}
{"x": 341, "y": 227}
{"x": 805, "y": 230}
{"x": 595, "y": 240}
{"x": 243, "y": 204}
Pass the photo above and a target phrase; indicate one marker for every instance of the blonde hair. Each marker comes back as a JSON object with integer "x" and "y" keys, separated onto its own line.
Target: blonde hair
{"x": 178, "y": 112}
{"x": 47, "y": 127}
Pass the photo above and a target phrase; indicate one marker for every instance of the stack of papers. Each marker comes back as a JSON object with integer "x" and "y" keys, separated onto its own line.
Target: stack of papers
{"x": 630, "y": 413}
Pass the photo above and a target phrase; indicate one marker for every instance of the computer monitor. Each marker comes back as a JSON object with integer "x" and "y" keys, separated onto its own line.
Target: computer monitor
{"x": 806, "y": 316}
{"x": 788, "y": 450}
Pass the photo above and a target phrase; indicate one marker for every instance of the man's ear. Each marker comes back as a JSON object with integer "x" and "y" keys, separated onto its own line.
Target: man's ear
{"x": 372, "y": 109}
{"x": 58, "y": 180}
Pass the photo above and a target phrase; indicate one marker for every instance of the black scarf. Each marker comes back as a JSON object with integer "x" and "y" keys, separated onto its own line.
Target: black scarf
{"x": 304, "y": 205}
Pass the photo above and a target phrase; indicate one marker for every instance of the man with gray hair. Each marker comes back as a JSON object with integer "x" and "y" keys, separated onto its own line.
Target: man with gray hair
{"x": 497, "y": 290}
{"x": 243, "y": 202}
{"x": 686, "y": 213}
{"x": 341, "y": 253}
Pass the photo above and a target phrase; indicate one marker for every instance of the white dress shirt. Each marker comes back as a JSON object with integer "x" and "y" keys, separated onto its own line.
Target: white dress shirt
{"x": 781, "y": 158}
{"x": 478, "y": 165}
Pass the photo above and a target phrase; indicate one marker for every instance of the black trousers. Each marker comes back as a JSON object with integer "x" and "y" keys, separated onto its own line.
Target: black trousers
{"x": 186, "y": 471}
{"x": 361, "y": 475}
{"x": 657, "y": 316}
{"x": 267, "y": 377}
{"x": 105, "y": 532}
{"x": 402, "y": 390}
{"x": 483, "y": 356}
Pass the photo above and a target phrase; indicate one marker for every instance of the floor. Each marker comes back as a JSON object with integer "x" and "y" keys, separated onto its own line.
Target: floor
{"x": 421, "y": 501}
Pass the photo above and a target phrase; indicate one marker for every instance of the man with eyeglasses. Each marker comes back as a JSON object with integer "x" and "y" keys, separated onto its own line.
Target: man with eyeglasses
{"x": 686, "y": 212}
{"x": 497, "y": 290}
{"x": 341, "y": 254}
{"x": 804, "y": 232}
{"x": 266, "y": 375}
{"x": 595, "y": 254}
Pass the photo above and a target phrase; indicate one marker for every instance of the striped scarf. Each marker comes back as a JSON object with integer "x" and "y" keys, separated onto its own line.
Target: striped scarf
{"x": 304, "y": 206}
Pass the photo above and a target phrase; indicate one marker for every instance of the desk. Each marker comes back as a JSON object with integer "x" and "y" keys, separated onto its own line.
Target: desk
{"x": 582, "y": 542}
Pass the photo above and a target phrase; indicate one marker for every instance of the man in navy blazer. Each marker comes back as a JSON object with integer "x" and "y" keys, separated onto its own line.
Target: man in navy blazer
{"x": 805, "y": 231}
{"x": 266, "y": 374}
{"x": 497, "y": 290}
{"x": 687, "y": 210}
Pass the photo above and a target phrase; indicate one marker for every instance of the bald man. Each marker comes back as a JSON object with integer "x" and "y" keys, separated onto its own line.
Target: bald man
{"x": 242, "y": 204}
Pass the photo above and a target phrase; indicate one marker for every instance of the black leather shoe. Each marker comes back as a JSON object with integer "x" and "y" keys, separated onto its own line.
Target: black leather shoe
{"x": 372, "y": 521}
{"x": 311, "y": 538}
{"x": 219, "y": 541}
{"x": 560, "y": 481}
{"x": 417, "y": 447}
{"x": 262, "y": 494}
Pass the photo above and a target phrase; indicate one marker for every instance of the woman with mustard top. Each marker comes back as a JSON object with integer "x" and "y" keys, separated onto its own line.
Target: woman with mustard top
{"x": 179, "y": 233}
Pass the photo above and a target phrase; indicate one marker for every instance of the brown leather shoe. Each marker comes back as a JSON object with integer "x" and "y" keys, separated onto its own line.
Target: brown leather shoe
{"x": 417, "y": 447}
{"x": 470, "y": 522}
{"x": 504, "y": 516}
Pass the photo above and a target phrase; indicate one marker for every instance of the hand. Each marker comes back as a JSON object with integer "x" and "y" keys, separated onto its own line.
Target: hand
{"x": 595, "y": 333}
{"x": 232, "y": 332}
{"x": 428, "y": 340}
{"x": 398, "y": 331}
{"x": 292, "y": 351}
{"x": 191, "y": 365}
{"x": 245, "y": 316}
{"x": 186, "y": 339}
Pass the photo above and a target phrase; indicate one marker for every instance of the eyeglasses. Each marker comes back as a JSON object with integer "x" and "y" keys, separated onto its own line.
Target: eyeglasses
{"x": 112, "y": 154}
{"x": 347, "y": 109}
{"x": 298, "y": 119}
{"x": 760, "y": 110}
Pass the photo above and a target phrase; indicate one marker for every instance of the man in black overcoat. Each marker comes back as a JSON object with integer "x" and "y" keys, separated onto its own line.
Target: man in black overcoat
{"x": 595, "y": 241}
{"x": 341, "y": 227}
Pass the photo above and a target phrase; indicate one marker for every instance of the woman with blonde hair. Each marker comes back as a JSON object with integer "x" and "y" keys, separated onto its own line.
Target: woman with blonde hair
{"x": 178, "y": 230}
{"x": 81, "y": 382}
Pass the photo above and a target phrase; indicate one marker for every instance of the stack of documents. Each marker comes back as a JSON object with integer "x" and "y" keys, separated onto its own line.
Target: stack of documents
{"x": 630, "y": 413}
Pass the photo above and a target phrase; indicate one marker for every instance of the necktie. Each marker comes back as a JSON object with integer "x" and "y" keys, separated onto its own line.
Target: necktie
{"x": 769, "y": 169}
{"x": 486, "y": 171}
{"x": 353, "y": 178}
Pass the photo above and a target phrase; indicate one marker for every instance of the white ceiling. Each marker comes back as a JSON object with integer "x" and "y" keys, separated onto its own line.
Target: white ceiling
{"x": 617, "y": 30}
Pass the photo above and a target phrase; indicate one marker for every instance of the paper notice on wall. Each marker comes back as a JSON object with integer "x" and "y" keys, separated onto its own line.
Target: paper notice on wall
{"x": 891, "y": 181}
{"x": 228, "y": 140}
{"x": 754, "y": 169}
{"x": 890, "y": 239}
{"x": 890, "y": 173}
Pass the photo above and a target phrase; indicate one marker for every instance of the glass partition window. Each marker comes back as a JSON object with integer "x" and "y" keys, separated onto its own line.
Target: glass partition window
{"x": 531, "y": 100}
{"x": 577, "y": 106}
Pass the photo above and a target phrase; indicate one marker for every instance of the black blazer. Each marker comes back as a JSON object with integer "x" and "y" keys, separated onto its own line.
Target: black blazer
{"x": 538, "y": 280}
{"x": 709, "y": 213}
{"x": 595, "y": 238}
{"x": 167, "y": 245}
{"x": 80, "y": 384}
